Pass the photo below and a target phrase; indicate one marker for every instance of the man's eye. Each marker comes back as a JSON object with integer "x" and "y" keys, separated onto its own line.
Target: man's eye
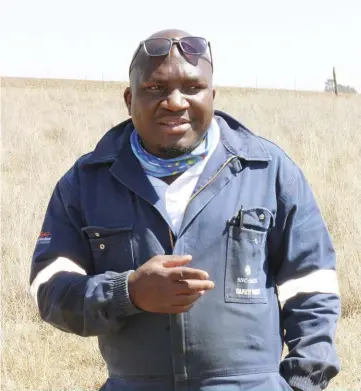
{"x": 156, "y": 87}
{"x": 194, "y": 88}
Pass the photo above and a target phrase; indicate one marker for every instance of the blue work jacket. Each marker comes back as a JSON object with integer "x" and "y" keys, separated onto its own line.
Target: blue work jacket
{"x": 252, "y": 223}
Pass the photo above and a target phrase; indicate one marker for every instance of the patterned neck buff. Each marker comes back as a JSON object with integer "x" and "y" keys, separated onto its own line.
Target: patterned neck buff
{"x": 158, "y": 167}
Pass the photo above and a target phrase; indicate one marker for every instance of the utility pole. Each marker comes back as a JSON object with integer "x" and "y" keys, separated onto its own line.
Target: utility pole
{"x": 335, "y": 80}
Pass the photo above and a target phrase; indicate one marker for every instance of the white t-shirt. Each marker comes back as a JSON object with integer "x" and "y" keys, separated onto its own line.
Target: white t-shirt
{"x": 176, "y": 195}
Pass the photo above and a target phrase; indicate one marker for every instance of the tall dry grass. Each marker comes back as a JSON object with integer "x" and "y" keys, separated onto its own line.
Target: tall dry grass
{"x": 47, "y": 125}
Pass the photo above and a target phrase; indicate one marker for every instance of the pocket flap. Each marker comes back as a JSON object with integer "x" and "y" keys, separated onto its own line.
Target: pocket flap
{"x": 258, "y": 218}
{"x": 97, "y": 232}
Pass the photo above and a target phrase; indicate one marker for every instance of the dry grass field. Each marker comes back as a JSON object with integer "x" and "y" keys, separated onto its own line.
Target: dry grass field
{"x": 47, "y": 125}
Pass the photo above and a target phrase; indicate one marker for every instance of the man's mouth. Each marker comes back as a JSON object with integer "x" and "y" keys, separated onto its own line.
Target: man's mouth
{"x": 178, "y": 125}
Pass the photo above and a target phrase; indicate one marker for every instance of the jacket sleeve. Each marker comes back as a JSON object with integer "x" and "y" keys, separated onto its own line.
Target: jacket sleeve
{"x": 68, "y": 294}
{"x": 307, "y": 286}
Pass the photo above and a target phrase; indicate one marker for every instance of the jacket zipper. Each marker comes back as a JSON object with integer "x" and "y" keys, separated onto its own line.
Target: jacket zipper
{"x": 171, "y": 238}
{"x": 172, "y": 245}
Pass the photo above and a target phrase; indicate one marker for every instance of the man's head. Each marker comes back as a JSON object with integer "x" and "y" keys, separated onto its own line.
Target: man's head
{"x": 170, "y": 98}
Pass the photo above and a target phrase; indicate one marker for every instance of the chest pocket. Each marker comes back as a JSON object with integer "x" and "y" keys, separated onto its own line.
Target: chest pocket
{"x": 111, "y": 247}
{"x": 246, "y": 269}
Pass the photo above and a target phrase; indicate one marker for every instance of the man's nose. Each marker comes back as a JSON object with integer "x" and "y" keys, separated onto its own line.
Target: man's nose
{"x": 175, "y": 101}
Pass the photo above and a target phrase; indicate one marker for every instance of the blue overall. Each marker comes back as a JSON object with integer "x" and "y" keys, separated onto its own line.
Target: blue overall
{"x": 252, "y": 223}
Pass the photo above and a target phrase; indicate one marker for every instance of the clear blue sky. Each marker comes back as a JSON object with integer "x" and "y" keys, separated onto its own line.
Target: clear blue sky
{"x": 259, "y": 43}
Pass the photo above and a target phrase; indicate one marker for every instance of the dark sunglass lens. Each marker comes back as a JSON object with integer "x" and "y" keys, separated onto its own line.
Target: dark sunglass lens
{"x": 193, "y": 45}
{"x": 157, "y": 46}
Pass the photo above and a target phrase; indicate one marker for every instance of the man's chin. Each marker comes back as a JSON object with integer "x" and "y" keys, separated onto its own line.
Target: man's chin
{"x": 171, "y": 152}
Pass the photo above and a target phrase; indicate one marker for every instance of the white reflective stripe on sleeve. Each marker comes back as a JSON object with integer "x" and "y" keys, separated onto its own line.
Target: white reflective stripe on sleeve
{"x": 59, "y": 265}
{"x": 321, "y": 281}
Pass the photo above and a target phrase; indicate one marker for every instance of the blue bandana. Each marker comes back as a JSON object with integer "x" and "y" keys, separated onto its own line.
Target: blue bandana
{"x": 158, "y": 167}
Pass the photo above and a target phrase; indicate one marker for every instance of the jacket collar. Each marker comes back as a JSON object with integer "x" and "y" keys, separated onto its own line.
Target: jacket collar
{"x": 241, "y": 141}
{"x": 236, "y": 138}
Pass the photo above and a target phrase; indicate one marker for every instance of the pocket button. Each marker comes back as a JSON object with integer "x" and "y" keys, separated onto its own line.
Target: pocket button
{"x": 102, "y": 247}
{"x": 97, "y": 234}
{"x": 261, "y": 217}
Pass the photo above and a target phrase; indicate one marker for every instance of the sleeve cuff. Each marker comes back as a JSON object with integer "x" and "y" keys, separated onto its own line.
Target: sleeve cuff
{"x": 303, "y": 384}
{"x": 121, "y": 300}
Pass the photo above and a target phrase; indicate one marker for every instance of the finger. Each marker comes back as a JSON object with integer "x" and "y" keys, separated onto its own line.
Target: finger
{"x": 176, "y": 260}
{"x": 188, "y": 273}
{"x": 193, "y": 286}
{"x": 186, "y": 300}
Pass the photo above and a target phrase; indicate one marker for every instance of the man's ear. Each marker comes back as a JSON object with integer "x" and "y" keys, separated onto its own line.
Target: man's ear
{"x": 214, "y": 93}
{"x": 128, "y": 99}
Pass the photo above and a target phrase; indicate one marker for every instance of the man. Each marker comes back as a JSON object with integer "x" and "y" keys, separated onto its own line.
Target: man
{"x": 178, "y": 237}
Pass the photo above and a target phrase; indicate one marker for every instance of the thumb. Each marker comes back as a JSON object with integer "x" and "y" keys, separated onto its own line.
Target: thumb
{"x": 177, "y": 260}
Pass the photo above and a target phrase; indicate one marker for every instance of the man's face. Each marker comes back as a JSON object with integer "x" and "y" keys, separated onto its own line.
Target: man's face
{"x": 171, "y": 103}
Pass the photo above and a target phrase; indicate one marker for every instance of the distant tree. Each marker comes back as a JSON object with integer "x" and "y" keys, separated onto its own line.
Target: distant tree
{"x": 330, "y": 87}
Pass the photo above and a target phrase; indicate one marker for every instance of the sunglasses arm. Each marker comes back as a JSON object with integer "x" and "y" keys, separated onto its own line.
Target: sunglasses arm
{"x": 210, "y": 54}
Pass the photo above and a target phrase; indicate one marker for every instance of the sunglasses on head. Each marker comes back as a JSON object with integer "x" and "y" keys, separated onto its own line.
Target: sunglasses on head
{"x": 156, "y": 47}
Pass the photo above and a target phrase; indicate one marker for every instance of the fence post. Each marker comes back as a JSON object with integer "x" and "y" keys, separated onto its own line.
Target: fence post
{"x": 335, "y": 80}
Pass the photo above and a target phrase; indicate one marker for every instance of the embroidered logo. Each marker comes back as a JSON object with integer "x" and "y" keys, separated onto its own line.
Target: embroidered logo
{"x": 44, "y": 238}
{"x": 246, "y": 280}
{"x": 248, "y": 286}
{"x": 248, "y": 292}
